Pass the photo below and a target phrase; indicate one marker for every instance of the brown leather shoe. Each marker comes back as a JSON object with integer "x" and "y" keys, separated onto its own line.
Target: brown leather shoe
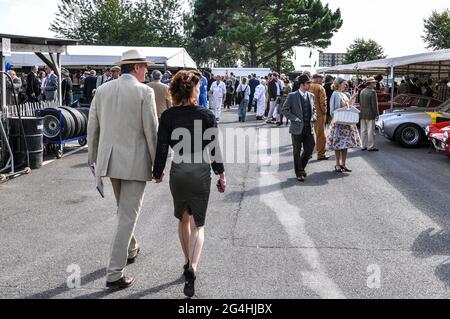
{"x": 122, "y": 283}
{"x": 132, "y": 260}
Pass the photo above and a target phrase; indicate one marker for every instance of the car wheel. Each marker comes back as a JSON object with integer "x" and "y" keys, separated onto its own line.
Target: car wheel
{"x": 409, "y": 135}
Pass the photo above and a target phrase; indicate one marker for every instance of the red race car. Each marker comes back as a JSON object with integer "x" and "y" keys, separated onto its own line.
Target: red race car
{"x": 439, "y": 134}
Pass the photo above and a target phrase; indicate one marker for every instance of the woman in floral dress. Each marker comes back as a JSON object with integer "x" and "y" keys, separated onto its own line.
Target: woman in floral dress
{"x": 342, "y": 137}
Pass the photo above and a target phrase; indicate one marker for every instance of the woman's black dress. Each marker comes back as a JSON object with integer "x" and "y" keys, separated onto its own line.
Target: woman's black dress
{"x": 183, "y": 129}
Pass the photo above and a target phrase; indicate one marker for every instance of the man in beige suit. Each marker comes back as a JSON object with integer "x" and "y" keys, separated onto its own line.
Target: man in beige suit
{"x": 122, "y": 133}
{"x": 162, "y": 95}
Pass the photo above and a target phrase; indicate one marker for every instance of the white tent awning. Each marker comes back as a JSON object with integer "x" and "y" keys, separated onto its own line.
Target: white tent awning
{"x": 437, "y": 62}
{"x": 87, "y": 55}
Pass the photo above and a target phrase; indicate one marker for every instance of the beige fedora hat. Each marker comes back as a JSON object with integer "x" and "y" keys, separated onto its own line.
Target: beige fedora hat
{"x": 370, "y": 80}
{"x": 133, "y": 56}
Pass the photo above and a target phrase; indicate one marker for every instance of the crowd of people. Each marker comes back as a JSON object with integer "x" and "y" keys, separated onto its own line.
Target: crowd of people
{"x": 134, "y": 120}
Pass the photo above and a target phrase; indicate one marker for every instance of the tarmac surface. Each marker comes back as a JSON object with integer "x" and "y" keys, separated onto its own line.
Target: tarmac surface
{"x": 381, "y": 231}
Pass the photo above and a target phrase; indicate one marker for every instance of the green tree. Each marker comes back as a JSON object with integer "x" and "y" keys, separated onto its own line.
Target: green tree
{"x": 266, "y": 29}
{"x": 437, "y": 30}
{"x": 362, "y": 50}
{"x": 120, "y": 22}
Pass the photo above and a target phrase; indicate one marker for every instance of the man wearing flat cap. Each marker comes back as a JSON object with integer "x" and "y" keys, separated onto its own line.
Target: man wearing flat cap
{"x": 299, "y": 109}
{"x": 115, "y": 73}
{"x": 122, "y": 133}
{"x": 320, "y": 97}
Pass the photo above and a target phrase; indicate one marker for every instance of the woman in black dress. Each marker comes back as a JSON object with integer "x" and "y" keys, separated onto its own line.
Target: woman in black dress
{"x": 190, "y": 174}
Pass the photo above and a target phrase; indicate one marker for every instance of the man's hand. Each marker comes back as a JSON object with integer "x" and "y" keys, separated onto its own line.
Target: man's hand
{"x": 297, "y": 120}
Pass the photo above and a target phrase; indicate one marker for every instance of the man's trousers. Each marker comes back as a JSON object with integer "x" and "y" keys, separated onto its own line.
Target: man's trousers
{"x": 306, "y": 139}
{"x": 129, "y": 196}
{"x": 319, "y": 128}
{"x": 367, "y": 133}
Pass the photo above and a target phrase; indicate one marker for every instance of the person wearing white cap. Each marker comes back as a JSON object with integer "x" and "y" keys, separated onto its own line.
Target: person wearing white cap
{"x": 122, "y": 133}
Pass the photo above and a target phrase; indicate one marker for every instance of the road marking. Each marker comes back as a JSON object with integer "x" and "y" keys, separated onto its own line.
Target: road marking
{"x": 316, "y": 278}
{"x": 64, "y": 155}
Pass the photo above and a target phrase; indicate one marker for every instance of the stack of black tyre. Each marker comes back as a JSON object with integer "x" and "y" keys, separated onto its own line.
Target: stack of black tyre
{"x": 74, "y": 123}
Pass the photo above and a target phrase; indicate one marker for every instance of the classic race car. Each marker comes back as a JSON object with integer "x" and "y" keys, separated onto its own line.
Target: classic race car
{"x": 406, "y": 100}
{"x": 407, "y": 127}
{"x": 438, "y": 134}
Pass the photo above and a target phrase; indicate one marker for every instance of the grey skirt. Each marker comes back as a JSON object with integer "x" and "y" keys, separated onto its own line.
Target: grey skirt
{"x": 190, "y": 185}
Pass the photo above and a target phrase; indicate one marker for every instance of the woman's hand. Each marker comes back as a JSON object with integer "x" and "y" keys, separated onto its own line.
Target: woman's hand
{"x": 159, "y": 180}
{"x": 222, "y": 183}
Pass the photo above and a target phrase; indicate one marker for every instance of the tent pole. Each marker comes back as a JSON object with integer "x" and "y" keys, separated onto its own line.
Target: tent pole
{"x": 3, "y": 68}
{"x": 58, "y": 66}
{"x": 392, "y": 88}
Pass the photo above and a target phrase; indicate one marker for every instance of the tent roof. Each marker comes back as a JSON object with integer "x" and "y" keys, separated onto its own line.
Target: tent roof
{"x": 423, "y": 63}
{"x": 88, "y": 55}
{"x": 22, "y": 39}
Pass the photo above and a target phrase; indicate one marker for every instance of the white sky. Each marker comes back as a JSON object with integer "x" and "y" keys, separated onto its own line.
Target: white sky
{"x": 396, "y": 24}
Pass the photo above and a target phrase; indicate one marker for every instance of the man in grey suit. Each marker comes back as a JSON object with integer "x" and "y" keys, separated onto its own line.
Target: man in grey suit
{"x": 50, "y": 88}
{"x": 299, "y": 109}
{"x": 122, "y": 133}
{"x": 368, "y": 102}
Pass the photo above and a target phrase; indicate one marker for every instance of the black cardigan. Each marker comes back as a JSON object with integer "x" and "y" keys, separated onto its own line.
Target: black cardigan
{"x": 184, "y": 117}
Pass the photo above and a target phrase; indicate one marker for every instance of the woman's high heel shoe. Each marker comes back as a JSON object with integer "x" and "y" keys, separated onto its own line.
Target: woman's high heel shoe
{"x": 345, "y": 169}
{"x": 338, "y": 168}
{"x": 185, "y": 267}
{"x": 189, "y": 289}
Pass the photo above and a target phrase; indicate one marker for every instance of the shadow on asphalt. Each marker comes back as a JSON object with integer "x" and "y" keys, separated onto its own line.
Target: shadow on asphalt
{"x": 80, "y": 165}
{"x": 63, "y": 287}
{"x": 314, "y": 179}
{"x": 437, "y": 244}
{"x": 156, "y": 289}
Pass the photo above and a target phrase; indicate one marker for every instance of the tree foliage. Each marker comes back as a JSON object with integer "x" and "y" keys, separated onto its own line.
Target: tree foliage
{"x": 363, "y": 50}
{"x": 266, "y": 29}
{"x": 228, "y": 33}
{"x": 437, "y": 30}
{"x": 120, "y": 22}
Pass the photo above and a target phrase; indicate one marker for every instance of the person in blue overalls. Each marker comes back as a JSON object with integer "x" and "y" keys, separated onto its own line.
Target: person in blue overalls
{"x": 203, "y": 98}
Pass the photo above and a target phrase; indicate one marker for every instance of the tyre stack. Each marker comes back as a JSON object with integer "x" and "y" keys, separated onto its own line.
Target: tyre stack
{"x": 74, "y": 123}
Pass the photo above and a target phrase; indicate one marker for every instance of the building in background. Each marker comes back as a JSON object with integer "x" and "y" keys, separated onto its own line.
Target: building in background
{"x": 330, "y": 59}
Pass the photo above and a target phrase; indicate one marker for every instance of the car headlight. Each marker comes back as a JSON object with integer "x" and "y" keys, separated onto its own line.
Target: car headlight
{"x": 446, "y": 136}
{"x": 427, "y": 131}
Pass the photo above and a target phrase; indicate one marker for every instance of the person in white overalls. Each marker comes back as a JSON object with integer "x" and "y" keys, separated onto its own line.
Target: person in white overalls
{"x": 260, "y": 97}
{"x": 218, "y": 91}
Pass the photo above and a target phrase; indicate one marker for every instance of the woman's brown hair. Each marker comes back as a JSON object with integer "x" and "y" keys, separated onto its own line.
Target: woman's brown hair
{"x": 181, "y": 87}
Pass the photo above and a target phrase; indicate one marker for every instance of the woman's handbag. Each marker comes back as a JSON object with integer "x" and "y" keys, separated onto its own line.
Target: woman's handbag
{"x": 346, "y": 116}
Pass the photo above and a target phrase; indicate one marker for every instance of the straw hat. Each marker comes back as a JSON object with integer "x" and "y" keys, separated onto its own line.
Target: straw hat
{"x": 370, "y": 80}
{"x": 132, "y": 57}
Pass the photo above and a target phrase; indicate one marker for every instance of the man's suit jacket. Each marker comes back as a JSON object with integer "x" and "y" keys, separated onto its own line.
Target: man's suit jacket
{"x": 90, "y": 83}
{"x": 162, "y": 96}
{"x": 51, "y": 87}
{"x": 368, "y": 102}
{"x": 33, "y": 86}
{"x": 320, "y": 97}
{"x": 122, "y": 130}
{"x": 293, "y": 110}
{"x": 273, "y": 89}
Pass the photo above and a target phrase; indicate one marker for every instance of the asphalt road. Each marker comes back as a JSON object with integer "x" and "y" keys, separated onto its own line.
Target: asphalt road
{"x": 381, "y": 231}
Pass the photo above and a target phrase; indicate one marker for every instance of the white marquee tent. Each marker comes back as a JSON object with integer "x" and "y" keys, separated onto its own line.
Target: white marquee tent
{"x": 436, "y": 63}
{"x": 87, "y": 55}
